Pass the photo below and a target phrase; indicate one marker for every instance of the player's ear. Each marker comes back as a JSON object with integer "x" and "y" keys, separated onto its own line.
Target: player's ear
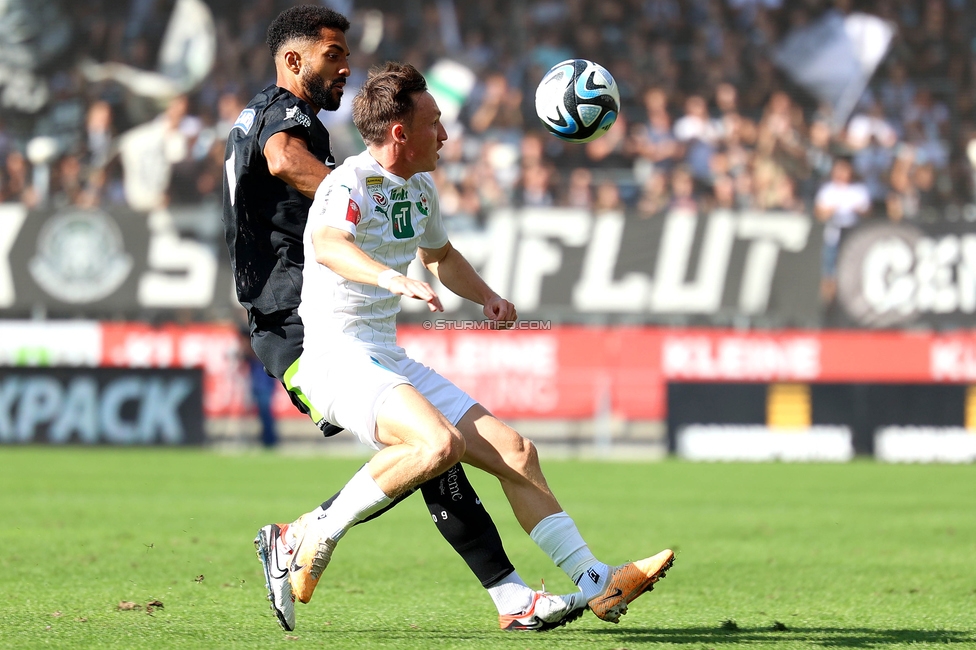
{"x": 398, "y": 132}
{"x": 293, "y": 61}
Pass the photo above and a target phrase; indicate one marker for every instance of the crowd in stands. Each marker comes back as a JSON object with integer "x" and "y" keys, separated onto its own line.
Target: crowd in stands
{"x": 707, "y": 119}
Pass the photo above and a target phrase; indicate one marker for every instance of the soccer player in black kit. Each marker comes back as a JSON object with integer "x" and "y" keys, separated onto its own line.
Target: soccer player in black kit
{"x": 278, "y": 152}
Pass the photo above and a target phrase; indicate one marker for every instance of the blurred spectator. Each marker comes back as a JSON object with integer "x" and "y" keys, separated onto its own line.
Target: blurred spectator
{"x": 16, "y": 180}
{"x": 872, "y": 163}
{"x": 99, "y": 134}
{"x": 871, "y": 125}
{"x": 263, "y": 387}
{"x": 612, "y": 149}
{"x": 607, "y": 198}
{"x": 734, "y": 125}
{"x": 780, "y": 134}
{"x": 926, "y": 127}
{"x": 745, "y": 195}
{"x": 653, "y": 140}
{"x": 699, "y": 133}
{"x": 661, "y": 17}
{"x": 654, "y": 197}
{"x": 896, "y": 94}
{"x": 500, "y": 109}
{"x": 839, "y": 205}
{"x": 683, "y": 190}
{"x": 68, "y": 185}
{"x": 535, "y": 187}
{"x": 579, "y": 191}
{"x": 902, "y": 201}
{"x": 924, "y": 178}
{"x": 819, "y": 160}
{"x": 723, "y": 194}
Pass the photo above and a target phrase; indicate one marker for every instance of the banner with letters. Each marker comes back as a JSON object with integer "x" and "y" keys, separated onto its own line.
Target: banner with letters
{"x": 895, "y": 275}
{"x": 747, "y": 269}
{"x": 561, "y": 264}
{"x": 61, "y": 405}
{"x": 683, "y": 267}
{"x": 106, "y": 263}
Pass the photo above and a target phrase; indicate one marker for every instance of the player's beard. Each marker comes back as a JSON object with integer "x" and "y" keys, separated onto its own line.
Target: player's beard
{"x": 322, "y": 94}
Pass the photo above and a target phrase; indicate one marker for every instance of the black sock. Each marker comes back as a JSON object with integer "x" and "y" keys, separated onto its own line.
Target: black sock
{"x": 466, "y": 525}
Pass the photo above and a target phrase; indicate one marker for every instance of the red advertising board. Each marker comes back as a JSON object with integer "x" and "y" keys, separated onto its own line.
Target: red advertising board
{"x": 575, "y": 371}
{"x": 214, "y": 348}
{"x": 567, "y": 372}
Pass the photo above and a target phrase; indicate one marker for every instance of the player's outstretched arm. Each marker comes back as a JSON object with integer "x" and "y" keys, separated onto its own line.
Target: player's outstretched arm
{"x": 337, "y": 250}
{"x": 290, "y": 160}
{"x": 457, "y": 274}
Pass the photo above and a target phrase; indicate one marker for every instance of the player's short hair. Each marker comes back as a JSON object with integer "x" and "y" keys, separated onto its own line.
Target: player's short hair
{"x": 387, "y": 96}
{"x": 304, "y": 22}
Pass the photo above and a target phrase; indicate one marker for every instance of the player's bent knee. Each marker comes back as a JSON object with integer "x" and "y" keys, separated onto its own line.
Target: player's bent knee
{"x": 517, "y": 450}
{"x": 444, "y": 450}
{"x": 524, "y": 456}
{"x": 455, "y": 449}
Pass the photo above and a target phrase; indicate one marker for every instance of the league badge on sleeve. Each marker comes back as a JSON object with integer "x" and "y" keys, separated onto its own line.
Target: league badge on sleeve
{"x": 352, "y": 213}
{"x": 245, "y": 120}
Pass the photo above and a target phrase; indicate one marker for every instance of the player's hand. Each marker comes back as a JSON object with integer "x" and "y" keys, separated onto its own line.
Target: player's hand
{"x": 501, "y": 311}
{"x": 404, "y": 286}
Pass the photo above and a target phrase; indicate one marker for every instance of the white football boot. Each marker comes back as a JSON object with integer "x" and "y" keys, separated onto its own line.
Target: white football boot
{"x": 546, "y": 612}
{"x": 274, "y": 555}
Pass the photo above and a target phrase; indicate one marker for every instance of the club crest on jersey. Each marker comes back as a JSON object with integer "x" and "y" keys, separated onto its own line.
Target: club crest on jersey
{"x": 294, "y": 113}
{"x": 401, "y": 217}
{"x": 353, "y": 215}
{"x": 422, "y": 205}
{"x": 245, "y": 120}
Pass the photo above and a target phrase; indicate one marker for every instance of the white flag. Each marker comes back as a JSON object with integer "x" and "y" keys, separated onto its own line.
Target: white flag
{"x": 834, "y": 58}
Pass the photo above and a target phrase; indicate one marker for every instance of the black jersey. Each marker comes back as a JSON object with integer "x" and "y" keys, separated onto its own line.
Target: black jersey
{"x": 264, "y": 217}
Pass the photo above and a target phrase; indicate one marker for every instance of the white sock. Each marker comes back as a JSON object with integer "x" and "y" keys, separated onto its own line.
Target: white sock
{"x": 511, "y": 595}
{"x": 358, "y": 499}
{"x": 558, "y": 536}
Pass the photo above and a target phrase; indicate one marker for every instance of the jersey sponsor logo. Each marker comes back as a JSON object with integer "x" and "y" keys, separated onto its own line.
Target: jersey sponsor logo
{"x": 245, "y": 121}
{"x": 295, "y": 113}
{"x": 400, "y": 215}
{"x": 373, "y": 181}
{"x": 398, "y": 194}
{"x": 353, "y": 214}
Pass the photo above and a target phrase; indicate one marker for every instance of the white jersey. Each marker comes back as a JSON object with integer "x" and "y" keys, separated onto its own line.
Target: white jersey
{"x": 390, "y": 218}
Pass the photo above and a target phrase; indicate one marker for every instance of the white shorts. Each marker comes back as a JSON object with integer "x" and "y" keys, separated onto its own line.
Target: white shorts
{"x": 349, "y": 385}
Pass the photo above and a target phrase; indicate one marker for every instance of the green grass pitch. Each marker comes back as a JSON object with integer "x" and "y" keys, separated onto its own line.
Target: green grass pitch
{"x": 780, "y": 556}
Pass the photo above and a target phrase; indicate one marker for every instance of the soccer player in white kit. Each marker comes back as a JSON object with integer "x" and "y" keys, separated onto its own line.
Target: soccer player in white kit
{"x": 367, "y": 221}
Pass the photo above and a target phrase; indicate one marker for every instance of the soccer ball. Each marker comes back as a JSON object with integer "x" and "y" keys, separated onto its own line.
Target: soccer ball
{"x": 577, "y": 100}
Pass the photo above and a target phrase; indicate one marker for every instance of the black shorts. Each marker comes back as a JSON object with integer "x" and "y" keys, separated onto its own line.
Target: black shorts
{"x": 277, "y": 342}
